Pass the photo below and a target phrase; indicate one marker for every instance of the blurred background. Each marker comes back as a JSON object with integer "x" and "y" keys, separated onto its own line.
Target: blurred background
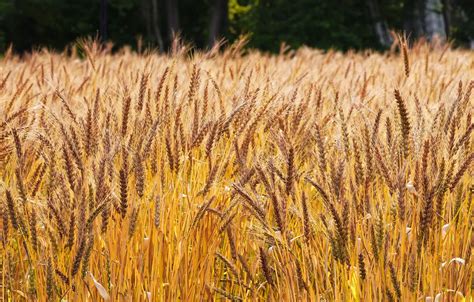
{"x": 338, "y": 24}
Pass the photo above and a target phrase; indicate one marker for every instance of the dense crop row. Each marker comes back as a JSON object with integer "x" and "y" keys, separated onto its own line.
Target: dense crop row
{"x": 327, "y": 177}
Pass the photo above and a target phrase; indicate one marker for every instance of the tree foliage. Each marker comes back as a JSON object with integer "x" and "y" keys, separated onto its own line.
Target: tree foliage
{"x": 344, "y": 24}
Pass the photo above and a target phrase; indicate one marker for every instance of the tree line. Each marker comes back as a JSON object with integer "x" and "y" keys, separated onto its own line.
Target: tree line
{"x": 343, "y": 24}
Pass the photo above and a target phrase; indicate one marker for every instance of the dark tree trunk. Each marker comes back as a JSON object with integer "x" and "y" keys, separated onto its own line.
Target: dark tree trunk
{"x": 172, "y": 18}
{"x": 155, "y": 24}
{"x": 103, "y": 21}
{"x": 379, "y": 24}
{"x": 146, "y": 8}
{"x": 447, "y": 11}
{"x": 218, "y": 21}
{"x": 413, "y": 18}
{"x": 424, "y": 18}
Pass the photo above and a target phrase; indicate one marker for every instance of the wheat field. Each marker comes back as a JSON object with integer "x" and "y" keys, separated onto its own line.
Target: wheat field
{"x": 237, "y": 175}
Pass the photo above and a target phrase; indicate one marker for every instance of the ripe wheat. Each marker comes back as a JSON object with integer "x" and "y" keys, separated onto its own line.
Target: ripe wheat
{"x": 240, "y": 175}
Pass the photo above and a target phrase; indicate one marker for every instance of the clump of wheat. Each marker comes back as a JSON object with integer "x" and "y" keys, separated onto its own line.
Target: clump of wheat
{"x": 310, "y": 176}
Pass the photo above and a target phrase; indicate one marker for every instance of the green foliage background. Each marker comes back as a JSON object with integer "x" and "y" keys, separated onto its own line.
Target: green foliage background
{"x": 342, "y": 24}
